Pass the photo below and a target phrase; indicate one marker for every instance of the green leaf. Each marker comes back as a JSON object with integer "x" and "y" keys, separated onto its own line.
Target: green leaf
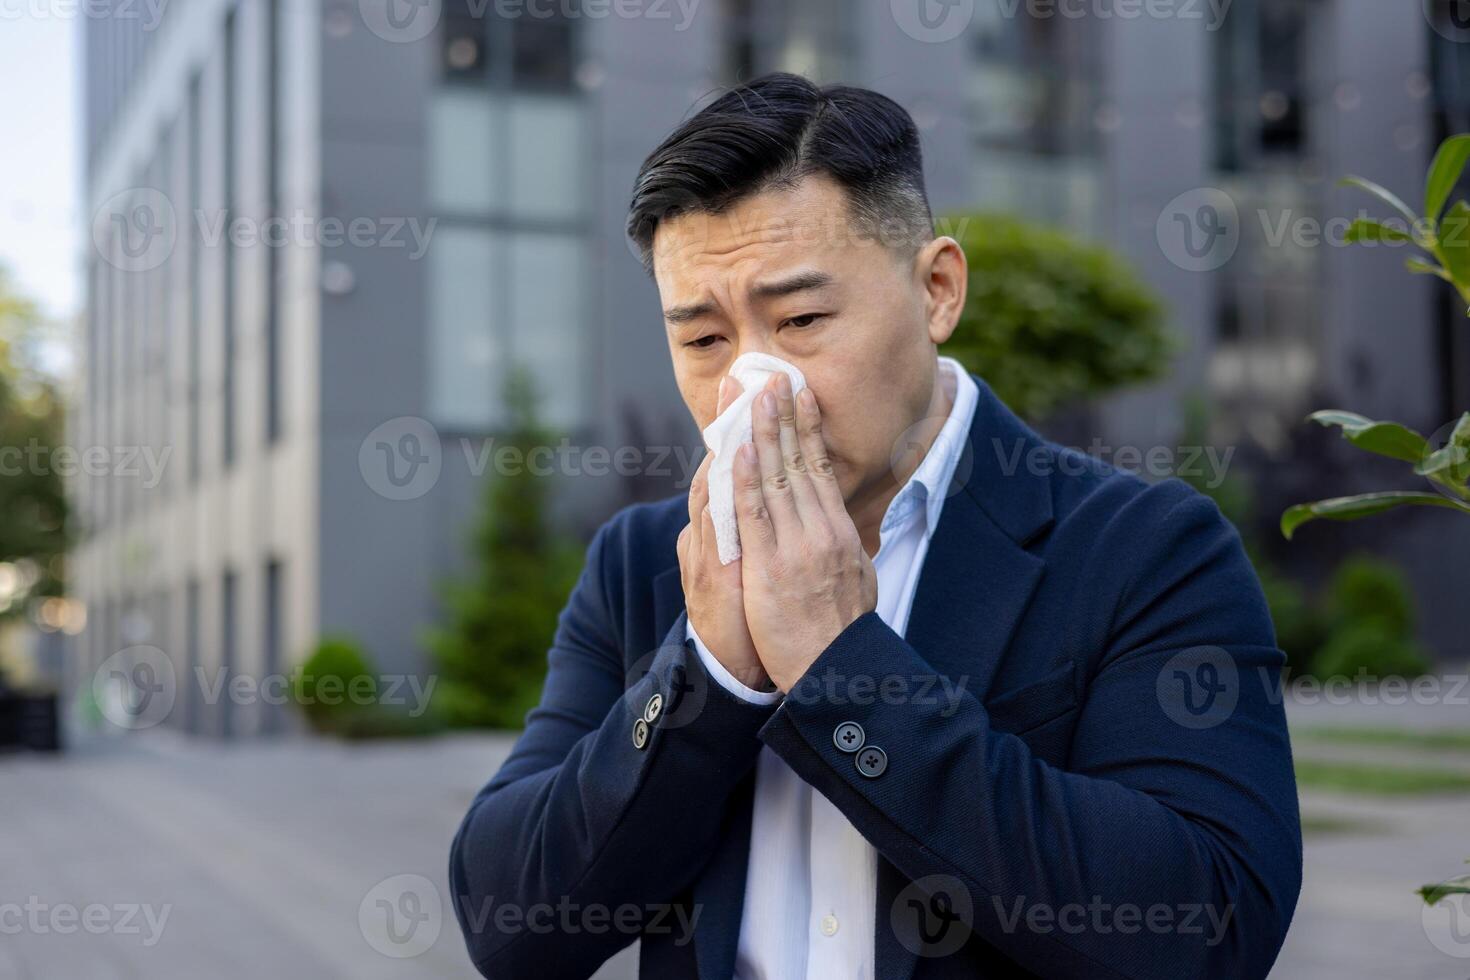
{"x": 1454, "y": 245}
{"x": 1420, "y": 267}
{"x": 1444, "y": 174}
{"x": 1454, "y": 886}
{"x": 1363, "y": 230}
{"x": 1362, "y": 505}
{"x": 1383, "y": 194}
{"x": 1384, "y": 438}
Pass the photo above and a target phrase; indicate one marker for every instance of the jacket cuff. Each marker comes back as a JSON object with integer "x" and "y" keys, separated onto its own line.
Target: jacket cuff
{"x": 865, "y": 717}
{"x": 695, "y": 712}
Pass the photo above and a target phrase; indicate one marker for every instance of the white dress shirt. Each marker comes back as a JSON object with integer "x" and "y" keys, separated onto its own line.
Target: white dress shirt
{"x": 812, "y": 880}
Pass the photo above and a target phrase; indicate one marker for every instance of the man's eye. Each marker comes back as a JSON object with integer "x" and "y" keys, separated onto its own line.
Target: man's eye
{"x": 706, "y": 341}
{"x": 805, "y": 320}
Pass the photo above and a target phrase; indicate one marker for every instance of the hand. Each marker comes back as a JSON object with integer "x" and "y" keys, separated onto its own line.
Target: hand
{"x": 805, "y": 573}
{"x": 712, "y": 592}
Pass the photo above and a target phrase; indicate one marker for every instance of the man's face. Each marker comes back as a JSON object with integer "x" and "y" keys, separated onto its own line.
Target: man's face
{"x": 784, "y": 273}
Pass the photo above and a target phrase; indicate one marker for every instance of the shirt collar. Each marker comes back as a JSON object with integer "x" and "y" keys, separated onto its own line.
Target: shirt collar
{"x": 928, "y": 487}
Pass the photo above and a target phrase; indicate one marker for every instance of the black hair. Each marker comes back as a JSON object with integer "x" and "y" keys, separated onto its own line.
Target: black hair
{"x": 774, "y": 131}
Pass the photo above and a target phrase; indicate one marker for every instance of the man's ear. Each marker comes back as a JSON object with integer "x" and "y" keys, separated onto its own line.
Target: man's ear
{"x": 943, "y": 275}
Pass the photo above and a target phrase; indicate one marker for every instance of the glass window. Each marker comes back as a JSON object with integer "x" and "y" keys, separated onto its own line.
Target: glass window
{"x": 462, "y": 48}
{"x": 548, "y": 277}
{"x": 464, "y": 166}
{"x": 546, "y": 144}
{"x": 466, "y": 354}
{"x": 544, "y": 50}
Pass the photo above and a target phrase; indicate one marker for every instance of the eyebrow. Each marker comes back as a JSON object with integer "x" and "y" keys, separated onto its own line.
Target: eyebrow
{"x": 768, "y": 290}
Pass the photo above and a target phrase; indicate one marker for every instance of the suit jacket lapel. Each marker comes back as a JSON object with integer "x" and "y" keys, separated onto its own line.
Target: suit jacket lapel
{"x": 973, "y": 589}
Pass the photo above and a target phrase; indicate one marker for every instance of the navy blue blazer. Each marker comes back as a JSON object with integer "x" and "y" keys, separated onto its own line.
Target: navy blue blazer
{"x": 1088, "y": 771}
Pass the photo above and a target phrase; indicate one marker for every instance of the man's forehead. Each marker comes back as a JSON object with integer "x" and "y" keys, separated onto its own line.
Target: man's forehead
{"x": 809, "y": 218}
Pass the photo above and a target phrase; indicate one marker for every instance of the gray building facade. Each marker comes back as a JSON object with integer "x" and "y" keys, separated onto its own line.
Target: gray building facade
{"x": 323, "y": 230}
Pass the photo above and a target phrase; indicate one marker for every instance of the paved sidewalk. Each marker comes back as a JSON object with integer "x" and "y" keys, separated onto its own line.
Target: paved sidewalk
{"x": 281, "y": 859}
{"x": 1365, "y": 855}
{"x": 255, "y": 859}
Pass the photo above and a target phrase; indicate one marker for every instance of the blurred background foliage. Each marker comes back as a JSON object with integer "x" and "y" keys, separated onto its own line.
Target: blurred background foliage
{"x": 500, "y": 619}
{"x": 33, "y": 506}
{"x": 1051, "y": 319}
{"x": 1363, "y": 619}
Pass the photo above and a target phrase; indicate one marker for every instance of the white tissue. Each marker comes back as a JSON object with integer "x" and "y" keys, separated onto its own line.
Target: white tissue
{"x": 726, "y": 434}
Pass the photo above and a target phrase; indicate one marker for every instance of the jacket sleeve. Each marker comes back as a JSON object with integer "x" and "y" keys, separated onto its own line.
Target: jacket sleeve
{"x": 1169, "y": 845}
{"x": 580, "y": 826}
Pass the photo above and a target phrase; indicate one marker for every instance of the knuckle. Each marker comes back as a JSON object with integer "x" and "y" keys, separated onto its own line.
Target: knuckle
{"x": 821, "y": 466}
{"x": 796, "y": 462}
{"x": 777, "y": 483}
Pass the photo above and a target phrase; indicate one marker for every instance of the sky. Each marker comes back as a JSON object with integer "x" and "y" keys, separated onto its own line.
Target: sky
{"x": 39, "y": 183}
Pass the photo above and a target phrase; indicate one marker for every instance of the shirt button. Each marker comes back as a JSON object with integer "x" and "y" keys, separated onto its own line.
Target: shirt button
{"x": 829, "y": 925}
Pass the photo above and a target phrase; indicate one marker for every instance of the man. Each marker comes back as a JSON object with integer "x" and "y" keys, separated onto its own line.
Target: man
{"x": 969, "y": 704}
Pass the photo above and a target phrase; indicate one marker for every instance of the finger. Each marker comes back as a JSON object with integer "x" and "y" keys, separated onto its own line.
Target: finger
{"x": 698, "y": 504}
{"x": 752, "y": 515}
{"x": 730, "y": 389}
{"x": 775, "y": 483}
{"x": 814, "y": 447}
{"x": 808, "y": 506}
{"x": 699, "y": 488}
{"x": 681, "y": 546}
{"x": 708, "y": 542}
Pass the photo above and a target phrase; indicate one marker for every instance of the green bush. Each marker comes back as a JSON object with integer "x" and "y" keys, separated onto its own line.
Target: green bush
{"x": 336, "y": 689}
{"x": 1372, "y": 623}
{"x": 1365, "y": 588}
{"x": 1372, "y": 649}
{"x": 492, "y": 651}
{"x": 1050, "y": 319}
{"x": 333, "y": 682}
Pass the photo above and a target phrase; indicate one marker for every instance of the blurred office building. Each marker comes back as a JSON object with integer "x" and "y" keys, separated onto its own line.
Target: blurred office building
{"x": 323, "y": 230}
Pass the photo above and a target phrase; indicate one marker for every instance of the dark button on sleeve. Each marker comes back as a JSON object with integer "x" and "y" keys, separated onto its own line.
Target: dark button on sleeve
{"x": 872, "y": 761}
{"x": 849, "y": 736}
{"x": 653, "y": 708}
